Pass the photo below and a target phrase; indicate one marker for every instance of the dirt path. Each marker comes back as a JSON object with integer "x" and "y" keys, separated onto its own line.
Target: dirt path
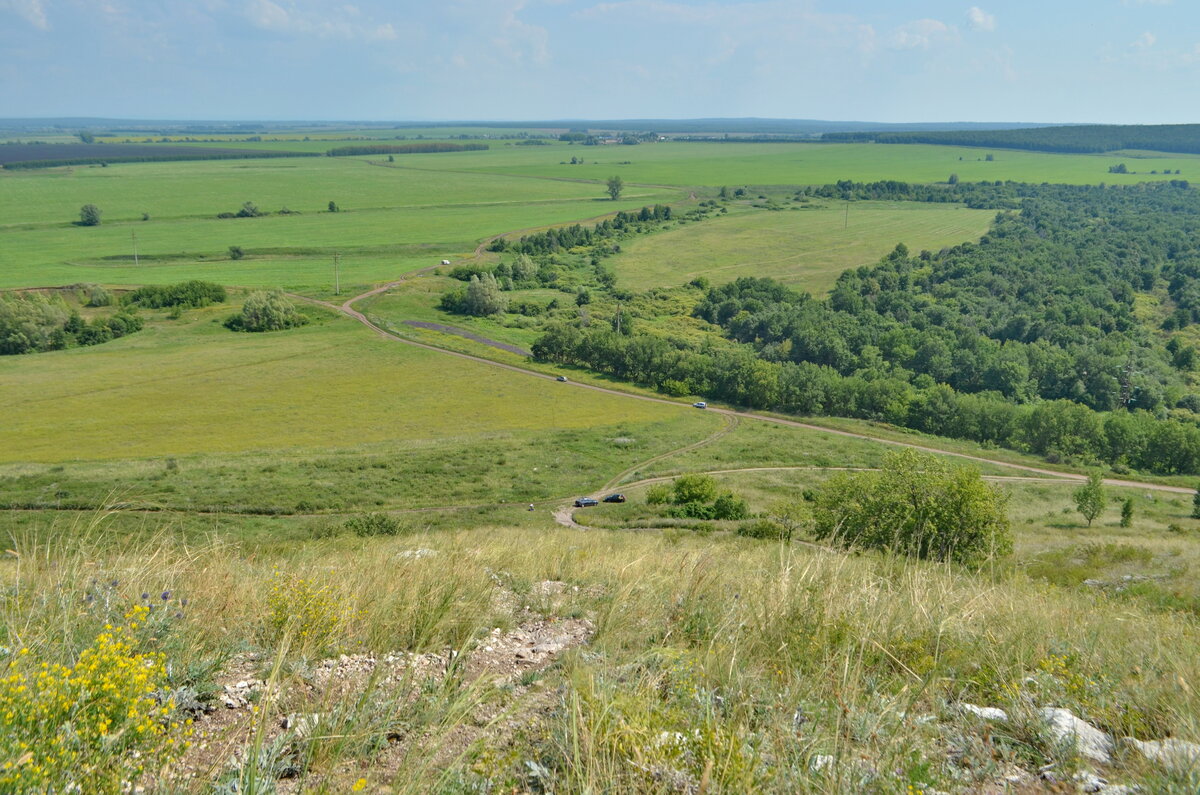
{"x": 731, "y": 422}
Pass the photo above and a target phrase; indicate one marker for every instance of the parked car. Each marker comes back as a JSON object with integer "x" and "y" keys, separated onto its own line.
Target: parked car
{"x": 561, "y": 378}
{"x": 615, "y": 498}
{"x": 586, "y": 502}
{"x": 700, "y": 404}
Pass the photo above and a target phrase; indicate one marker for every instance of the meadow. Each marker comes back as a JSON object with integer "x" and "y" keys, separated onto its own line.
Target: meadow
{"x": 807, "y": 246}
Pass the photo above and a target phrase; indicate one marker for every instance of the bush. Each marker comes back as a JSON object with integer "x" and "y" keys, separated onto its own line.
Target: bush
{"x": 762, "y": 528}
{"x": 658, "y": 494}
{"x": 728, "y": 506}
{"x": 90, "y": 727}
{"x": 95, "y": 295}
{"x": 693, "y": 488}
{"x": 89, "y": 215}
{"x": 374, "y": 524}
{"x": 915, "y": 505}
{"x": 266, "y": 311}
{"x": 236, "y": 252}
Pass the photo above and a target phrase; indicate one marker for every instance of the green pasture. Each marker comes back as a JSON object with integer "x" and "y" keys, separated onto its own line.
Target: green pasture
{"x": 737, "y": 164}
{"x": 806, "y": 245}
{"x": 191, "y": 386}
{"x": 391, "y": 220}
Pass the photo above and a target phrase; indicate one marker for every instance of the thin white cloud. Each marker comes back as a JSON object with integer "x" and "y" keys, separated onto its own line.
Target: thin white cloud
{"x": 321, "y": 21}
{"x": 1144, "y": 41}
{"x": 32, "y": 11}
{"x": 980, "y": 19}
{"x": 921, "y": 34}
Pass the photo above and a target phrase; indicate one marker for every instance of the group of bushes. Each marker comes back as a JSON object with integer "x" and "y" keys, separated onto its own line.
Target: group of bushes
{"x": 187, "y": 295}
{"x": 32, "y": 322}
{"x": 696, "y": 497}
{"x": 266, "y": 311}
{"x": 915, "y": 505}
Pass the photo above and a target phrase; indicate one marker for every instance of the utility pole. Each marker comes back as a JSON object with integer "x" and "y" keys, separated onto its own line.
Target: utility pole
{"x": 337, "y": 284}
{"x": 135, "y": 256}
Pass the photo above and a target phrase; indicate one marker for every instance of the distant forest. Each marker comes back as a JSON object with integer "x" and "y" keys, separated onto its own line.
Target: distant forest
{"x": 1081, "y": 139}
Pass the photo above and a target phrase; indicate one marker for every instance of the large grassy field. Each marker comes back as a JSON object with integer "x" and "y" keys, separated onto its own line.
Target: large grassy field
{"x": 804, "y": 245}
{"x": 715, "y": 164}
{"x": 191, "y": 386}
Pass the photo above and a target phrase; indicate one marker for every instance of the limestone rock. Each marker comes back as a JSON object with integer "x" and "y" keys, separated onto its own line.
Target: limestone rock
{"x": 1087, "y": 740}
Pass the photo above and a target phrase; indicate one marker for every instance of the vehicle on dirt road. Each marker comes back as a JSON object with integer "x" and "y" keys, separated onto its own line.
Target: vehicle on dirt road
{"x": 561, "y": 378}
{"x": 700, "y": 404}
{"x": 586, "y": 502}
{"x": 615, "y": 498}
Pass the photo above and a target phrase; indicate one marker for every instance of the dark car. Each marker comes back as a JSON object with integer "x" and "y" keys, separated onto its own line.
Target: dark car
{"x": 615, "y": 498}
{"x": 586, "y": 502}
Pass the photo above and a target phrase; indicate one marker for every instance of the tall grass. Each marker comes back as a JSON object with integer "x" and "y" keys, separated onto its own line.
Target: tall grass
{"x": 732, "y": 665}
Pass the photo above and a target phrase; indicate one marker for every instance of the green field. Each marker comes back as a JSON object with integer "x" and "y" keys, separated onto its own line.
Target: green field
{"x": 805, "y": 245}
{"x": 191, "y": 386}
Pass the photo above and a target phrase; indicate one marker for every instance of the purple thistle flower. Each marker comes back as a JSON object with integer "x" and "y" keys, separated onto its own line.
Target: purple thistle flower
{"x": 166, "y": 595}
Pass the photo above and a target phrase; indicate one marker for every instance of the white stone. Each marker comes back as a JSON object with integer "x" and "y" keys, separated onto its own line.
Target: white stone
{"x": 1169, "y": 752}
{"x": 987, "y": 713}
{"x": 1086, "y": 738}
{"x": 820, "y": 762}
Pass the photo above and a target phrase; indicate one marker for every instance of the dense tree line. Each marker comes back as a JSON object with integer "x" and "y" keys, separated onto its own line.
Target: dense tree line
{"x": 1027, "y": 339}
{"x": 31, "y": 323}
{"x": 568, "y": 237}
{"x": 403, "y": 149}
{"x": 190, "y": 294}
{"x": 1081, "y": 139}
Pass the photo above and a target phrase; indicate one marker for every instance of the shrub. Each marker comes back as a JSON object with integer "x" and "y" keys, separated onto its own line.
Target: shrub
{"x": 728, "y": 506}
{"x": 308, "y": 612}
{"x": 694, "y": 488}
{"x": 249, "y": 210}
{"x": 374, "y": 524}
{"x": 762, "y": 528}
{"x": 266, "y": 311}
{"x": 915, "y": 505}
{"x": 236, "y": 252}
{"x": 658, "y": 494}
{"x": 95, "y": 295}
{"x": 89, "y": 215}
{"x": 95, "y": 726}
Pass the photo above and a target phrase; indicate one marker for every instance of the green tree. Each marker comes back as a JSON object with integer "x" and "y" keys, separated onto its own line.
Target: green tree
{"x": 236, "y": 252}
{"x": 266, "y": 311}
{"x": 524, "y": 269}
{"x": 1090, "y": 498}
{"x": 917, "y": 505}
{"x": 1196, "y": 505}
{"x": 1127, "y": 512}
{"x": 615, "y": 186}
{"x": 89, "y": 215}
{"x": 483, "y": 296}
{"x": 249, "y": 210}
{"x": 729, "y": 506}
{"x": 333, "y": 208}
{"x": 86, "y": 137}
{"x": 953, "y": 179}
{"x": 694, "y": 488}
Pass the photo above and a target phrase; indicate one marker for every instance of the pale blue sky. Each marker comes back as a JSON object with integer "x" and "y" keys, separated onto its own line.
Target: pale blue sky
{"x": 1121, "y": 61}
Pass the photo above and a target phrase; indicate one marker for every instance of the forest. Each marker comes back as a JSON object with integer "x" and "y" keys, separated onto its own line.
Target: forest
{"x": 1089, "y": 138}
{"x": 1030, "y": 338}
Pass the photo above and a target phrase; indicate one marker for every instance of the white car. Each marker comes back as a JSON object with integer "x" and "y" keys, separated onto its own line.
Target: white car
{"x": 700, "y": 404}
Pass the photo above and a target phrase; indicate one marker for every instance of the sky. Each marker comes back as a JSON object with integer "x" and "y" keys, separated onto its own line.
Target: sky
{"x": 1107, "y": 61}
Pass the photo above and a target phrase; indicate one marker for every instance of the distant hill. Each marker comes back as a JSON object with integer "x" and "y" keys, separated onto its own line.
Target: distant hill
{"x": 1079, "y": 139}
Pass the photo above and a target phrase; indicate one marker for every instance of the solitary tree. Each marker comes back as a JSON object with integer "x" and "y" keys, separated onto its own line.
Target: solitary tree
{"x": 89, "y": 215}
{"x": 1090, "y": 499}
{"x": 333, "y": 208}
{"x": 1127, "y": 512}
{"x": 615, "y": 186}
{"x": 236, "y": 252}
{"x": 953, "y": 179}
